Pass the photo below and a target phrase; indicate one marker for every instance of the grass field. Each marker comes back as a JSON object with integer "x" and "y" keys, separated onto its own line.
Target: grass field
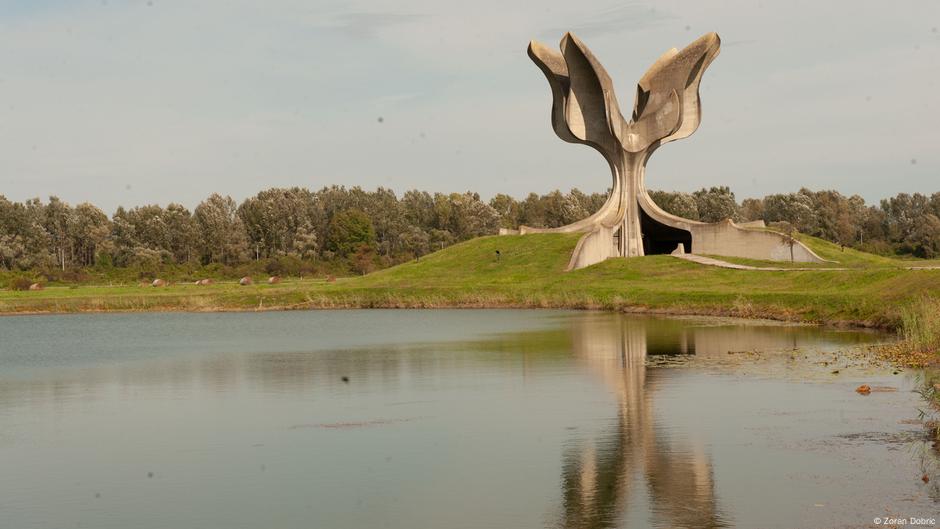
{"x": 529, "y": 273}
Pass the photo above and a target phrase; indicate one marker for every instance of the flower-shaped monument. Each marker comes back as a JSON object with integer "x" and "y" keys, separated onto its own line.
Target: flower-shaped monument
{"x": 666, "y": 108}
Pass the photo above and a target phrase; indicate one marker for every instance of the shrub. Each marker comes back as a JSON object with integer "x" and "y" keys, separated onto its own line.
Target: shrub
{"x": 20, "y": 283}
{"x": 363, "y": 261}
{"x": 274, "y": 267}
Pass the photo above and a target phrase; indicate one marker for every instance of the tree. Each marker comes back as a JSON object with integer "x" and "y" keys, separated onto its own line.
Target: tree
{"x": 508, "y": 210}
{"x": 441, "y": 239}
{"x": 363, "y": 261}
{"x": 123, "y": 239}
{"x": 680, "y": 204}
{"x": 716, "y": 204}
{"x": 56, "y": 224}
{"x": 560, "y": 209}
{"x": 752, "y": 209}
{"x": 903, "y": 214}
{"x": 589, "y": 203}
{"x": 222, "y": 234}
{"x": 470, "y": 217}
{"x": 88, "y": 227}
{"x": 417, "y": 208}
{"x": 304, "y": 243}
{"x": 532, "y": 212}
{"x": 383, "y": 209}
{"x": 871, "y": 235}
{"x": 415, "y": 241}
{"x": 349, "y": 230}
{"x": 924, "y": 240}
{"x": 794, "y": 208}
{"x": 149, "y": 227}
{"x": 181, "y": 233}
{"x": 834, "y": 217}
{"x": 24, "y": 241}
{"x": 282, "y": 222}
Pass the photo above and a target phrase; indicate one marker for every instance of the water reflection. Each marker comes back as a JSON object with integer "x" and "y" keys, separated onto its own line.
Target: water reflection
{"x": 600, "y": 476}
{"x": 470, "y": 419}
{"x": 230, "y": 357}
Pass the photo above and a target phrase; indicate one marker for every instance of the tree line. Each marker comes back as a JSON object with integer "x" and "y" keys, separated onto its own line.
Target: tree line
{"x": 362, "y": 230}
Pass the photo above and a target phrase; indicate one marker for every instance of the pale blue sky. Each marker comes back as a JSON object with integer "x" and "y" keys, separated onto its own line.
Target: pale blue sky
{"x": 135, "y": 102}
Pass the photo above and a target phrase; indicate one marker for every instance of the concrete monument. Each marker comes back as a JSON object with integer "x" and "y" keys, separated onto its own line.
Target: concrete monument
{"x": 666, "y": 108}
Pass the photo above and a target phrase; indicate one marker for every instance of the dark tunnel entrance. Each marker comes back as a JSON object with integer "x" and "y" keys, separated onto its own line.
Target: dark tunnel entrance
{"x": 661, "y": 239}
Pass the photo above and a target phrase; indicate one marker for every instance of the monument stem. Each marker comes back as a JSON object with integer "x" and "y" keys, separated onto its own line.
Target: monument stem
{"x": 632, "y": 166}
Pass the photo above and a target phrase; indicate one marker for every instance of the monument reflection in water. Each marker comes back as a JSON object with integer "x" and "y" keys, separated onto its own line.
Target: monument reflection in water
{"x": 637, "y": 459}
{"x": 600, "y": 477}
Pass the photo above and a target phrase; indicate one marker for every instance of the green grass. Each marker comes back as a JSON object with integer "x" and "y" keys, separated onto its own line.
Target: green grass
{"x": 530, "y": 274}
{"x": 855, "y": 258}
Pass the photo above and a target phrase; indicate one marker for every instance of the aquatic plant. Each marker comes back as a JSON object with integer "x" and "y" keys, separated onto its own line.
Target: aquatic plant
{"x": 918, "y": 327}
{"x": 920, "y": 324}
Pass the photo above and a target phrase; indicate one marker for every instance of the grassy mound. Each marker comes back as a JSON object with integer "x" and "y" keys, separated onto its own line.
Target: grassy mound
{"x": 855, "y": 258}
{"x": 529, "y": 273}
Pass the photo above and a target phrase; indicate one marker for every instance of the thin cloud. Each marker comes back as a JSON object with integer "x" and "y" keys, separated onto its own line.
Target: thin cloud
{"x": 367, "y": 25}
{"x": 621, "y": 19}
{"x": 733, "y": 43}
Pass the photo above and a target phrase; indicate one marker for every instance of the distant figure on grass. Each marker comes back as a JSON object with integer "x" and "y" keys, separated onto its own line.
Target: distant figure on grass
{"x": 203, "y": 282}
{"x": 245, "y": 281}
{"x": 273, "y": 280}
{"x": 158, "y": 283}
{"x": 35, "y": 286}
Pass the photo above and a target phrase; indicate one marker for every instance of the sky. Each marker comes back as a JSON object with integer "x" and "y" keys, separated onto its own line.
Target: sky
{"x": 157, "y": 101}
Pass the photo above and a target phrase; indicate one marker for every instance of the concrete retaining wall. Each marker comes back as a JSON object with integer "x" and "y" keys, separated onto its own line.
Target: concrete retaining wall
{"x": 726, "y": 238}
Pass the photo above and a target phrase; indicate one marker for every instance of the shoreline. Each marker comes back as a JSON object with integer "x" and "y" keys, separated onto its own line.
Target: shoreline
{"x": 730, "y": 313}
{"x": 530, "y": 275}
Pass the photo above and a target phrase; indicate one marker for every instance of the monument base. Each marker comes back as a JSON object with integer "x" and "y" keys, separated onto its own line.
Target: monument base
{"x": 663, "y": 233}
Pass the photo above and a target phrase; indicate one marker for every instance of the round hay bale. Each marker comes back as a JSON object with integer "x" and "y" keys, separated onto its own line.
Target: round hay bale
{"x": 204, "y": 282}
{"x": 273, "y": 280}
{"x": 245, "y": 281}
{"x": 36, "y": 286}
{"x": 158, "y": 283}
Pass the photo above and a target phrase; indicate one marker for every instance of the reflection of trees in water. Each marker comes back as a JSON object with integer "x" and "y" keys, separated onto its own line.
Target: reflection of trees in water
{"x": 596, "y": 334}
{"x": 597, "y": 478}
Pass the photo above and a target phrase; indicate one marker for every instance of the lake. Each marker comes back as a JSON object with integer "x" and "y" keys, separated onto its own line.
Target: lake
{"x": 452, "y": 419}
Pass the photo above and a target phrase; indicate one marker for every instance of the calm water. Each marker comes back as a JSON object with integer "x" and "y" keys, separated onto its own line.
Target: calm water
{"x": 450, "y": 419}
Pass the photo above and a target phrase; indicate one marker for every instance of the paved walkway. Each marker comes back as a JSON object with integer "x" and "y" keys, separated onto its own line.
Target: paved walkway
{"x": 709, "y": 261}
